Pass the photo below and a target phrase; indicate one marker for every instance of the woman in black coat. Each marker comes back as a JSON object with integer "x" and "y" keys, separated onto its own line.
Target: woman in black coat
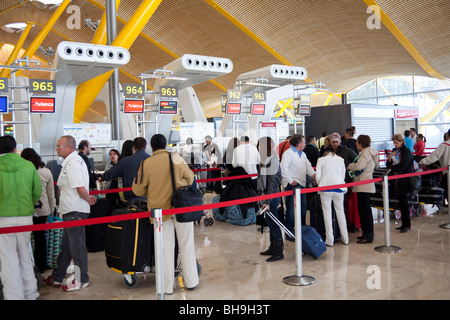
{"x": 401, "y": 161}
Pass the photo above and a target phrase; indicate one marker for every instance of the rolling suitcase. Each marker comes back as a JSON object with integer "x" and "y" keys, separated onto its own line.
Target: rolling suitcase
{"x": 129, "y": 246}
{"x": 96, "y": 234}
{"x": 312, "y": 243}
{"x": 316, "y": 220}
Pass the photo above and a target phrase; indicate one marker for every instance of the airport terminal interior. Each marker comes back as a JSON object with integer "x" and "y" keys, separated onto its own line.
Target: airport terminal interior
{"x": 108, "y": 71}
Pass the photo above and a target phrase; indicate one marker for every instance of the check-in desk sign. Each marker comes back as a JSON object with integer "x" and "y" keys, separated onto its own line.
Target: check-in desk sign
{"x": 42, "y": 96}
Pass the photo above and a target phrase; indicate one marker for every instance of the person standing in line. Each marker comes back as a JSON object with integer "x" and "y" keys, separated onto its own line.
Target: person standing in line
{"x": 247, "y": 156}
{"x": 46, "y": 206}
{"x": 441, "y": 154}
{"x": 409, "y": 143}
{"x": 361, "y": 170}
{"x": 20, "y": 189}
{"x": 269, "y": 181}
{"x": 311, "y": 151}
{"x": 350, "y": 141}
{"x": 114, "y": 155}
{"x": 155, "y": 184}
{"x": 330, "y": 171}
{"x": 84, "y": 150}
{"x": 295, "y": 166}
{"x": 127, "y": 168}
{"x": 282, "y": 147}
{"x": 404, "y": 164}
{"x": 412, "y": 134}
{"x": 74, "y": 204}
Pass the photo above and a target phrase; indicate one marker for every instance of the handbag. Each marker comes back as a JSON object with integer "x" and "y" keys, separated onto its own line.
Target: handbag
{"x": 186, "y": 196}
{"x": 53, "y": 238}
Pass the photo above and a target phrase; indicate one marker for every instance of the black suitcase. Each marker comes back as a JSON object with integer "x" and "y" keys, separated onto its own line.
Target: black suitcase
{"x": 129, "y": 244}
{"x": 96, "y": 234}
{"x": 316, "y": 219}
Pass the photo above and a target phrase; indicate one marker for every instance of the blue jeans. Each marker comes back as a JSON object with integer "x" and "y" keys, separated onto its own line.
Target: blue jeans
{"x": 275, "y": 230}
{"x": 289, "y": 200}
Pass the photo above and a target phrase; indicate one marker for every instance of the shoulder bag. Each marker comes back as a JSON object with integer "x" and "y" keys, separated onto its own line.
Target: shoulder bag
{"x": 186, "y": 196}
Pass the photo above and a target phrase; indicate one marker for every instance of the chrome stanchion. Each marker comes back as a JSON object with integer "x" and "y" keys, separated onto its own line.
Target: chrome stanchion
{"x": 298, "y": 279}
{"x": 387, "y": 247}
{"x": 447, "y": 225}
{"x": 159, "y": 262}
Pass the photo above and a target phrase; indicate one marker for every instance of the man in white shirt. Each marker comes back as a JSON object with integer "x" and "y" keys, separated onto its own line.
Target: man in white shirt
{"x": 295, "y": 166}
{"x": 247, "y": 156}
{"x": 74, "y": 204}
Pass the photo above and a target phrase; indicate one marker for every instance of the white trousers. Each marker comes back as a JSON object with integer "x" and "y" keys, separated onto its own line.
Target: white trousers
{"x": 338, "y": 201}
{"x": 16, "y": 266}
{"x": 185, "y": 236}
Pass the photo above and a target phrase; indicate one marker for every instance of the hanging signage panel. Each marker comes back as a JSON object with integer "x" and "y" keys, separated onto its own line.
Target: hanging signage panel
{"x": 42, "y": 86}
{"x": 233, "y": 108}
{"x": 168, "y": 107}
{"x": 133, "y": 106}
{"x": 3, "y": 104}
{"x": 258, "y": 109}
{"x": 3, "y": 84}
{"x": 398, "y": 113}
{"x": 42, "y": 105}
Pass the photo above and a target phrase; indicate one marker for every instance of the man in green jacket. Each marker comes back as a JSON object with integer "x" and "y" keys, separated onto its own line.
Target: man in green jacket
{"x": 20, "y": 190}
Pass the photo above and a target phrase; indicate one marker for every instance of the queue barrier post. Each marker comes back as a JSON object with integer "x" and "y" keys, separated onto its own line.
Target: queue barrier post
{"x": 298, "y": 279}
{"x": 159, "y": 262}
{"x": 387, "y": 247}
{"x": 447, "y": 225}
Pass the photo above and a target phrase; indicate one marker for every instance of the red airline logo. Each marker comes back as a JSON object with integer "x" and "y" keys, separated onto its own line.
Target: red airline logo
{"x": 42, "y": 105}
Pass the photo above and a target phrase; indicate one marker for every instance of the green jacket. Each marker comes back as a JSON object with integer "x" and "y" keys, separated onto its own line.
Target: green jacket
{"x": 20, "y": 186}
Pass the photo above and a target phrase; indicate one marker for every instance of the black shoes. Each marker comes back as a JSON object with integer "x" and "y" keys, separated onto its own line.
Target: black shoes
{"x": 403, "y": 229}
{"x": 275, "y": 251}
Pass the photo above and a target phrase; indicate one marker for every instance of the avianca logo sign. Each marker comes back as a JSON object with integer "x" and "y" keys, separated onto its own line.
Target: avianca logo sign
{"x": 42, "y": 105}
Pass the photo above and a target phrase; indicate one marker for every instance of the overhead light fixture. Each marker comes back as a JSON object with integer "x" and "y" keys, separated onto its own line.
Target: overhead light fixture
{"x": 16, "y": 25}
{"x": 51, "y": 2}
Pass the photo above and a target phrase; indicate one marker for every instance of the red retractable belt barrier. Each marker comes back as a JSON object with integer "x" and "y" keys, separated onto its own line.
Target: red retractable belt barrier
{"x": 147, "y": 214}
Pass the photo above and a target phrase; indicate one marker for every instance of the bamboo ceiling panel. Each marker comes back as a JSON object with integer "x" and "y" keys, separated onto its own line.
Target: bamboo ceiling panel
{"x": 330, "y": 39}
{"x": 426, "y": 24}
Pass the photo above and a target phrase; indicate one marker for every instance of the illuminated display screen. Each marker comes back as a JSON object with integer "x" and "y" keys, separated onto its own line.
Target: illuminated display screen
{"x": 233, "y": 108}
{"x": 133, "y": 106}
{"x": 42, "y": 105}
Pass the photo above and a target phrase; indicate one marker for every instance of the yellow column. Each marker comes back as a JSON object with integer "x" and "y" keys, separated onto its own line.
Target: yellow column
{"x": 45, "y": 30}
{"x": 5, "y": 72}
{"x": 88, "y": 91}
{"x": 100, "y": 36}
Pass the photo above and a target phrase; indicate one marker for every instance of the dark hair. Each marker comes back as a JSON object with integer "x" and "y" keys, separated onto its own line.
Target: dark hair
{"x": 265, "y": 143}
{"x": 115, "y": 151}
{"x": 83, "y": 144}
{"x": 311, "y": 138}
{"x": 364, "y": 140}
{"x": 413, "y": 129}
{"x": 127, "y": 149}
{"x": 421, "y": 136}
{"x": 31, "y": 155}
{"x": 350, "y": 132}
{"x": 296, "y": 139}
{"x": 158, "y": 142}
{"x": 406, "y": 133}
{"x": 324, "y": 134}
{"x": 7, "y": 144}
{"x": 139, "y": 143}
{"x": 245, "y": 139}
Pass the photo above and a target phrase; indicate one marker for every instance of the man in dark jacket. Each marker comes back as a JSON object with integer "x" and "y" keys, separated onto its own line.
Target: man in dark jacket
{"x": 84, "y": 150}
{"x": 344, "y": 152}
{"x": 311, "y": 151}
{"x": 128, "y": 167}
{"x": 349, "y": 141}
